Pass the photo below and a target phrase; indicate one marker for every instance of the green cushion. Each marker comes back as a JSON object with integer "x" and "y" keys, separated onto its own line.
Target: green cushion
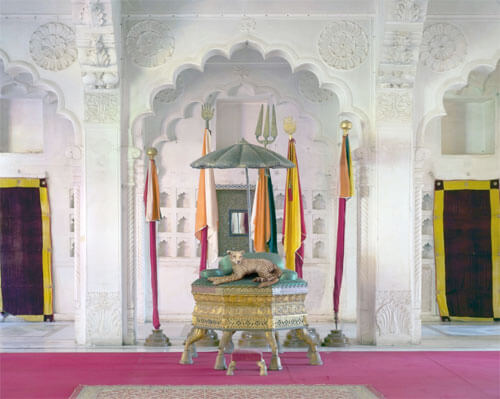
{"x": 211, "y": 273}
{"x": 289, "y": 275}
{"x": 247, "y": 281}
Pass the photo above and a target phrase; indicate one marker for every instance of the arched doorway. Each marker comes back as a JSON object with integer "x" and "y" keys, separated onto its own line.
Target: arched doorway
{"x": 244, "y": 79}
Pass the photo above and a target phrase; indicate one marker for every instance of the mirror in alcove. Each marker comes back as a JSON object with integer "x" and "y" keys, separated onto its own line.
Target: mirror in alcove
{"x": 469, "y": 126}
{"x": 238, "y": 222}
{"x": 233, "y": 219}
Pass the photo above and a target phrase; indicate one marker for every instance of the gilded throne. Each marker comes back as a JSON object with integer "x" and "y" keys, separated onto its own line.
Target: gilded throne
{"x": 242, "y": 306}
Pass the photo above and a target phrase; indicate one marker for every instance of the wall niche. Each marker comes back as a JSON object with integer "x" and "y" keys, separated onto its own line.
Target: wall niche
{"x": 469, "y": 126}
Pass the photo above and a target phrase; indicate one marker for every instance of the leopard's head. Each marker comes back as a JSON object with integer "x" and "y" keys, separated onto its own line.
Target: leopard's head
{"x": 236, "y": 256}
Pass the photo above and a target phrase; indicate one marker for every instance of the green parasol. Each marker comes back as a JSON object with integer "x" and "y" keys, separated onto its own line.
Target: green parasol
{"x": 243, "y": 155}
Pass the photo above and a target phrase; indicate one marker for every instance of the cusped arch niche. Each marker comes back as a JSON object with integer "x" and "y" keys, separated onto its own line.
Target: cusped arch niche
{"x": 326, "y": 84}
{"x": 174, "y": 104}
{"x": 21, "y": 79}
{"x": 41, "y": 138}
{"x": 478, "y": 83}
{"x": 471, "y": 113}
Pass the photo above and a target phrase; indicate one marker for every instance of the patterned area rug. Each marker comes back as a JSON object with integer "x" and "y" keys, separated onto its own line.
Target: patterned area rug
{"x": 224, "y": 392}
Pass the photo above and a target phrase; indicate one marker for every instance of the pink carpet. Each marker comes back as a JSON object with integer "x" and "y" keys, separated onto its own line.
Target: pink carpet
{"x": 405, "y": 375}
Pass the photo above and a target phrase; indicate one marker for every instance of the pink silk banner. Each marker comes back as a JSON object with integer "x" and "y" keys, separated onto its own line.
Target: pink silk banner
{"x": 203, "y": 248}
{"x": 154, "y": 278}
{"x": 339, "y": 260}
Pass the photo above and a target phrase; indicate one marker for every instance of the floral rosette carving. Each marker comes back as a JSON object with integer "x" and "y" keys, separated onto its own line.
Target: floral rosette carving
{"x": 343, "y": 45}
{"x": 150, "y": 43}
{"x": 53, "y": 47}
{"x": 443, "y": 47}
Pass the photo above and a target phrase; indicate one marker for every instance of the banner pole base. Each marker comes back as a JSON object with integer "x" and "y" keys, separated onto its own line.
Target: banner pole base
{"x": 336, "y": 338}
{"x": 157, "y": 338}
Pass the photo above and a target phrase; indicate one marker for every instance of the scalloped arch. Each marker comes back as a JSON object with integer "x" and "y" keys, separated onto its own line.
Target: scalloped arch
{"x": 457, "y": 81}
{"x": 168, "y": 124}
{"x": 51, "y": 86}
{"x": 336, "y": 85}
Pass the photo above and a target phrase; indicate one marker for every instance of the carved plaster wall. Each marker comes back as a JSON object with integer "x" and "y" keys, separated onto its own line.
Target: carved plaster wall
{"x": 393, "y": 316}
{"x": 102, "y": 108}
{"x": 150, "y": 43}
{"x": 104, "y": 318}
{"x": 343, "y": 45}
{"x": 443, "y": 47}
{"x": 59, "y": 162}
{"x": 52, "y": 46}
{"x": 177, "y": 243}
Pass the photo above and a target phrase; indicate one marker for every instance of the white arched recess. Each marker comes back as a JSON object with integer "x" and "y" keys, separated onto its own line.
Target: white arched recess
{"x": 142, "y": 108}
{"x": 64, "y": 195}
{"x": 426, "y": 170}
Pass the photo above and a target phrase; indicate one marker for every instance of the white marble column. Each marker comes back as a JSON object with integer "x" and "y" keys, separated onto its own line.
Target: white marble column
{"x": 398, "y": 268}
{"x": 366, "y": 244}
{"x": 393, "y": 296}
{"x": 104, "y": 311}
{"x": 102, "y": 289}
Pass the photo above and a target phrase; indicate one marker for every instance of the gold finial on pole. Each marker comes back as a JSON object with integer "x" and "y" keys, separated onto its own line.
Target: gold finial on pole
{"x": 289, "y": 126}
{"x": 346, "y": 125}
{"x": 207, "y": 113}
{"x": 152, "y": 152}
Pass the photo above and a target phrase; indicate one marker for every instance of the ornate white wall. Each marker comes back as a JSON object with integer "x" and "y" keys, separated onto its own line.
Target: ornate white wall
{"x": 177, "y": 128}
{"x": 384, "y": 65}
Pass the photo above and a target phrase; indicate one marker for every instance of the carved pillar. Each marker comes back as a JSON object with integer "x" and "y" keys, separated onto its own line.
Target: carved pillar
{"x": 132, "y": 254}
{"x": 366, "y": 245}
{"x": 97, "y": 25}
{"x": 398, "y": 280}
{"x": 139, "y": 170}
{"x": 79, "y": 280}
{"x": 421, "y": 155}
{"x": 104, "y": 311}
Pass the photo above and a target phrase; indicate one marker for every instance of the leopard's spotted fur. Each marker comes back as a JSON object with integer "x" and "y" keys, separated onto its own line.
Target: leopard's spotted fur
{"x": 268, "y": 272}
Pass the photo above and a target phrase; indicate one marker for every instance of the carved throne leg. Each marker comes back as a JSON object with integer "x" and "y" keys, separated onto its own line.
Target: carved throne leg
{"x": 220, "y": 361}
{"x": 277, "y": 336}
{"x": 313, "y": 354}
{"x": 275, "y": 363}
{"x": 231, "y": 368}
{"x": 195, "y": 335}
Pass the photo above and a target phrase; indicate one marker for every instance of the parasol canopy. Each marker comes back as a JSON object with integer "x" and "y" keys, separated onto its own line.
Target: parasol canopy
{"x": 243, "y": 155}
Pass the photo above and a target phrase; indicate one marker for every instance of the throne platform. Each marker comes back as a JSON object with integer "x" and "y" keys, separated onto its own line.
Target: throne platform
{"x": 242, "y": 306}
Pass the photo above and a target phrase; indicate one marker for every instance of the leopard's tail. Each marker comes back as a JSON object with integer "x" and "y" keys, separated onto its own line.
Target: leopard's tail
{"x": 268, "y": 283}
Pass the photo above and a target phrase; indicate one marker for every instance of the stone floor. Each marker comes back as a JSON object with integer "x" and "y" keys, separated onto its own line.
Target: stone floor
{"x": 17, "y": 335}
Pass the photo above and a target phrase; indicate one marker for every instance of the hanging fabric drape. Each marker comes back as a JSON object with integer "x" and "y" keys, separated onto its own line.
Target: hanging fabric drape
{"x": 152, "y": 205}
{"x": 207, "y": 215}
{"x": 294, "y": 228}
{"x": 346, "y": 192}
{"x": 261, "y": 222}
{"x": 272, "y": 243}
{"x": 25, "y": 249}
{"x": 467, "y": 249}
